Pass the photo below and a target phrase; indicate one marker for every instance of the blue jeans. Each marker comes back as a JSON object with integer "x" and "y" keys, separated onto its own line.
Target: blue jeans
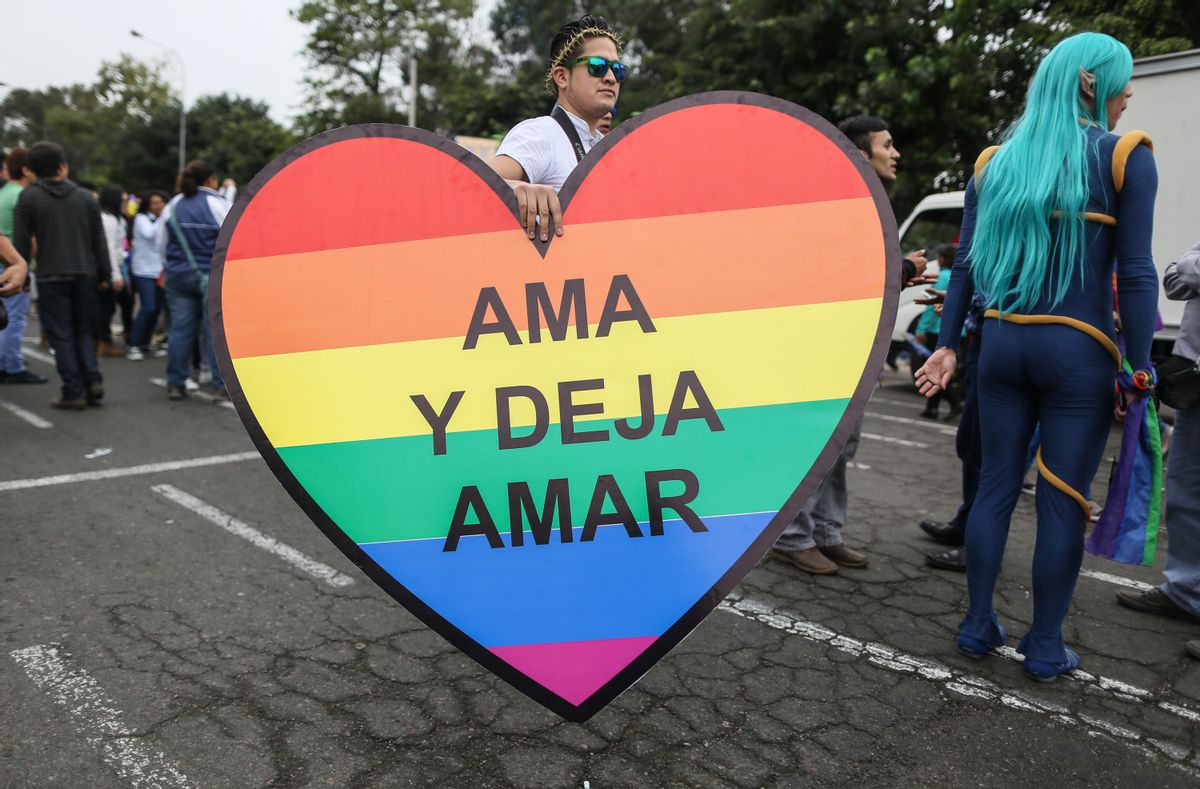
{"x": 189, "y": 318}
{"x": 11, "y": 360}
{"x": 1182, "y": 570}
{"x": 149, "y": 305}
{"x": 820, "y": 520}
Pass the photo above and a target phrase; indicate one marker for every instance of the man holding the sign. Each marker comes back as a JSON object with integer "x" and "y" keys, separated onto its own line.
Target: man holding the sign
{"x": 538, "y": 154}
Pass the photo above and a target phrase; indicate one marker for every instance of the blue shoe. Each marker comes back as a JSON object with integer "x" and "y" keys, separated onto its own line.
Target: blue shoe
{"x": 973, "y": 647}
{"x": 1048, "y": 672}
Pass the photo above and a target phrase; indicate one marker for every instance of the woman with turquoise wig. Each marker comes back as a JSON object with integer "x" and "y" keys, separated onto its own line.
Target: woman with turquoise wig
{"x": 1050, "y": 215}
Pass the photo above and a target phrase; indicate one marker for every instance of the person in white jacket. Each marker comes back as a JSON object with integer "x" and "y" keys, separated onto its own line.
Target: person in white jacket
{"x": 145, "y": 268}
{"x": 111, "y": 200}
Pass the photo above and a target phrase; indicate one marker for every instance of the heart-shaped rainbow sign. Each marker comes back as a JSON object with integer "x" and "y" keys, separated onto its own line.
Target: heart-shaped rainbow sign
{"x": 560, "y": 456}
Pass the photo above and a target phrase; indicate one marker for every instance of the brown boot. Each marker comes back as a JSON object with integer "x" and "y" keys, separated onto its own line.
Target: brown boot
{"x": 810, "y": 561}
{"x": 108, "y": 349}
{"x": 847, "y": 557}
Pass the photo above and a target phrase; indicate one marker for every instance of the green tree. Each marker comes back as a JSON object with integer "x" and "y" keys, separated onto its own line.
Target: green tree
{"x": 948, "y": 76}
{"x": 236, "y": 135}
{"x": 94, "y": 122}
{"x": 1148, "y": 27}
{"x": 653, "y": 36}
{"x": 124, "y": 128}
{"x": 359, "y": 51}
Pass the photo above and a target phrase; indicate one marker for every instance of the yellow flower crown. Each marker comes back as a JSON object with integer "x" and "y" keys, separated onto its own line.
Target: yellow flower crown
{"x": 587, "y": 32}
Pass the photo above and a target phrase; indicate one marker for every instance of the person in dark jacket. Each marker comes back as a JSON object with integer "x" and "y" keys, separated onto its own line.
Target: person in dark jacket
{"x": 72, "y": 263}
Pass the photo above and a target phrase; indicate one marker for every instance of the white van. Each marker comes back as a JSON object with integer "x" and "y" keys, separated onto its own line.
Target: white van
{"x": 936, "y": 220}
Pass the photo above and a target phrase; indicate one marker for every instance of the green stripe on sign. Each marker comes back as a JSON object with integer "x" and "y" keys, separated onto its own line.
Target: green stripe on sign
{"x": 397, "y": 489}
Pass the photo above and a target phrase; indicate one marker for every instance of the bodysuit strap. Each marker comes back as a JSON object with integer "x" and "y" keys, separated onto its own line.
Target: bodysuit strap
{"x": 1125, "y": 146}
{"x": 982, "y": 161}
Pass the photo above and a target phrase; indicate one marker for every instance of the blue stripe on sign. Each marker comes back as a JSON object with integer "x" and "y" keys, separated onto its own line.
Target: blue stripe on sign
{"x": 612, "y": 587}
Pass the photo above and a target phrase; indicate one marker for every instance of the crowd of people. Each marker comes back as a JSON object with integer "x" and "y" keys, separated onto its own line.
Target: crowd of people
{"x": 1028, "y": 299}
{"x": 98, "y": 252}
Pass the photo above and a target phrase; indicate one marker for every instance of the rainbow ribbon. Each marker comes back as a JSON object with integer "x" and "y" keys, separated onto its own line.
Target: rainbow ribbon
{"x": 1128, "y": 528}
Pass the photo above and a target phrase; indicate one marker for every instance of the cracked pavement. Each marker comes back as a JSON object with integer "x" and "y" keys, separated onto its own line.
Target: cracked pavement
{"x": 243, "y": 671}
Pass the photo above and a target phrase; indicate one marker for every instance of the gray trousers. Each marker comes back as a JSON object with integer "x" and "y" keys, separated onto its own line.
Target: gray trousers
{"x": 820, "y": 520}
{"x": 1182, "y": 569}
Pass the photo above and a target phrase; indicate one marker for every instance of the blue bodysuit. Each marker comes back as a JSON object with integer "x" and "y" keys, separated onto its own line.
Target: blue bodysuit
{"x": 1061, "y": 378}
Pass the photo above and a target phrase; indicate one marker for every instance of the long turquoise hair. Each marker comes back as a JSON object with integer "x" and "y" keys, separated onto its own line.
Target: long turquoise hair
{"x": 1040, "y": 170}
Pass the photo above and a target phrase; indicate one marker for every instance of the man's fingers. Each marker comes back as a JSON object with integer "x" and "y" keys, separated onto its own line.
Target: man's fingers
{"x": 543, "y": 209}
{"x": 556, "y": 213}
{"x": 526, "y": 211}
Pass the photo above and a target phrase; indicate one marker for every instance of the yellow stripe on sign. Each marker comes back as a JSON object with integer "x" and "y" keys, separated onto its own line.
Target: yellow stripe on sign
{"x": 749, "y": 358}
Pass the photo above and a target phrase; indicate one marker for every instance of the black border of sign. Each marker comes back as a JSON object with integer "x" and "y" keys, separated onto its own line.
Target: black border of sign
{"x": 707, "y": 602}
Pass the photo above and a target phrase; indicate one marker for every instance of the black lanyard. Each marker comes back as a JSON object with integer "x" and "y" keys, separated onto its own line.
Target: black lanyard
{"x": 560, "y": 115}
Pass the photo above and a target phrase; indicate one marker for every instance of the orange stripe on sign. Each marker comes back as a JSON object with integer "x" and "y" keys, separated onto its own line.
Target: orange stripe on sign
{"x": 768, "y": 257}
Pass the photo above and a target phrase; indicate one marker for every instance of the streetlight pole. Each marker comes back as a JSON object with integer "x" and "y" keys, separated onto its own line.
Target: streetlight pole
{"x": 182, "y": 92}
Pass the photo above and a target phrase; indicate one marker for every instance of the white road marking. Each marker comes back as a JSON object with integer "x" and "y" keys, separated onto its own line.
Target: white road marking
{"x": 1182, "y": 712}
{"x": 28, "y": 416}
{"x": 1118, "y": 580}
{"x": 98, "y": 719}
{"x": 32, "y": 353}
{"x": 901, "y": 403}
{"x": 253, "y": 536}
{"x": 889, "y": 440}
{"x": 925, "y": 423}
{"x": 197, "y": 393}
{"x": 128, "y": 471}
{"x": 974, "y": 686}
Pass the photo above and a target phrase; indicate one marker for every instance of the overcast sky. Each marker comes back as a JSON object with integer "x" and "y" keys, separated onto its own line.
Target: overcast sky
{"x": 247, "y": 47}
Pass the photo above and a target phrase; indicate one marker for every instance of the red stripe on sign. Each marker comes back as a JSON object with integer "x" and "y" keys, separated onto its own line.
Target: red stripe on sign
{"x": 716, "y": 157}
{"x": 363, "y": 192}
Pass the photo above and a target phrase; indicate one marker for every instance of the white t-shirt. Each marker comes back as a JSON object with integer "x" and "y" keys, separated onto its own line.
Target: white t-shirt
{"x": 114, "y": 234}
{"x": 542, "y": 149}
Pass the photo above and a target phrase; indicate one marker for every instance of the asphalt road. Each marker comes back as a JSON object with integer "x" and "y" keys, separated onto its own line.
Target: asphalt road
{"x": 179, "y": 622}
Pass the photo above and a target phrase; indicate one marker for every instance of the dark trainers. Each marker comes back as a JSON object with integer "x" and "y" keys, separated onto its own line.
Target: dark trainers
{"x": 176, "y": 392}
{"x": 945, "y": 533}
{"x": 810, "y": 561}
{"x": 1154, "y": 601}
{"x": 25, "y": 377}
{"x": 953, "y": 559}
{"x": 95, "y": 394}
{"x": 846, "y": 557}
{"x": 69, "y": 405}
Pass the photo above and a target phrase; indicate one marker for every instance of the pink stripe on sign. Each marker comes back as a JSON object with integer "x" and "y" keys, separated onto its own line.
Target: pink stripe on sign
{"x": 574, "y": 669}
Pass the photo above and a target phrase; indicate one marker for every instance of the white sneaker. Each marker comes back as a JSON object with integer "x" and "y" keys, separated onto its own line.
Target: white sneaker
{"x": 134, "y": 354}
{"x": 191, "y": 385}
